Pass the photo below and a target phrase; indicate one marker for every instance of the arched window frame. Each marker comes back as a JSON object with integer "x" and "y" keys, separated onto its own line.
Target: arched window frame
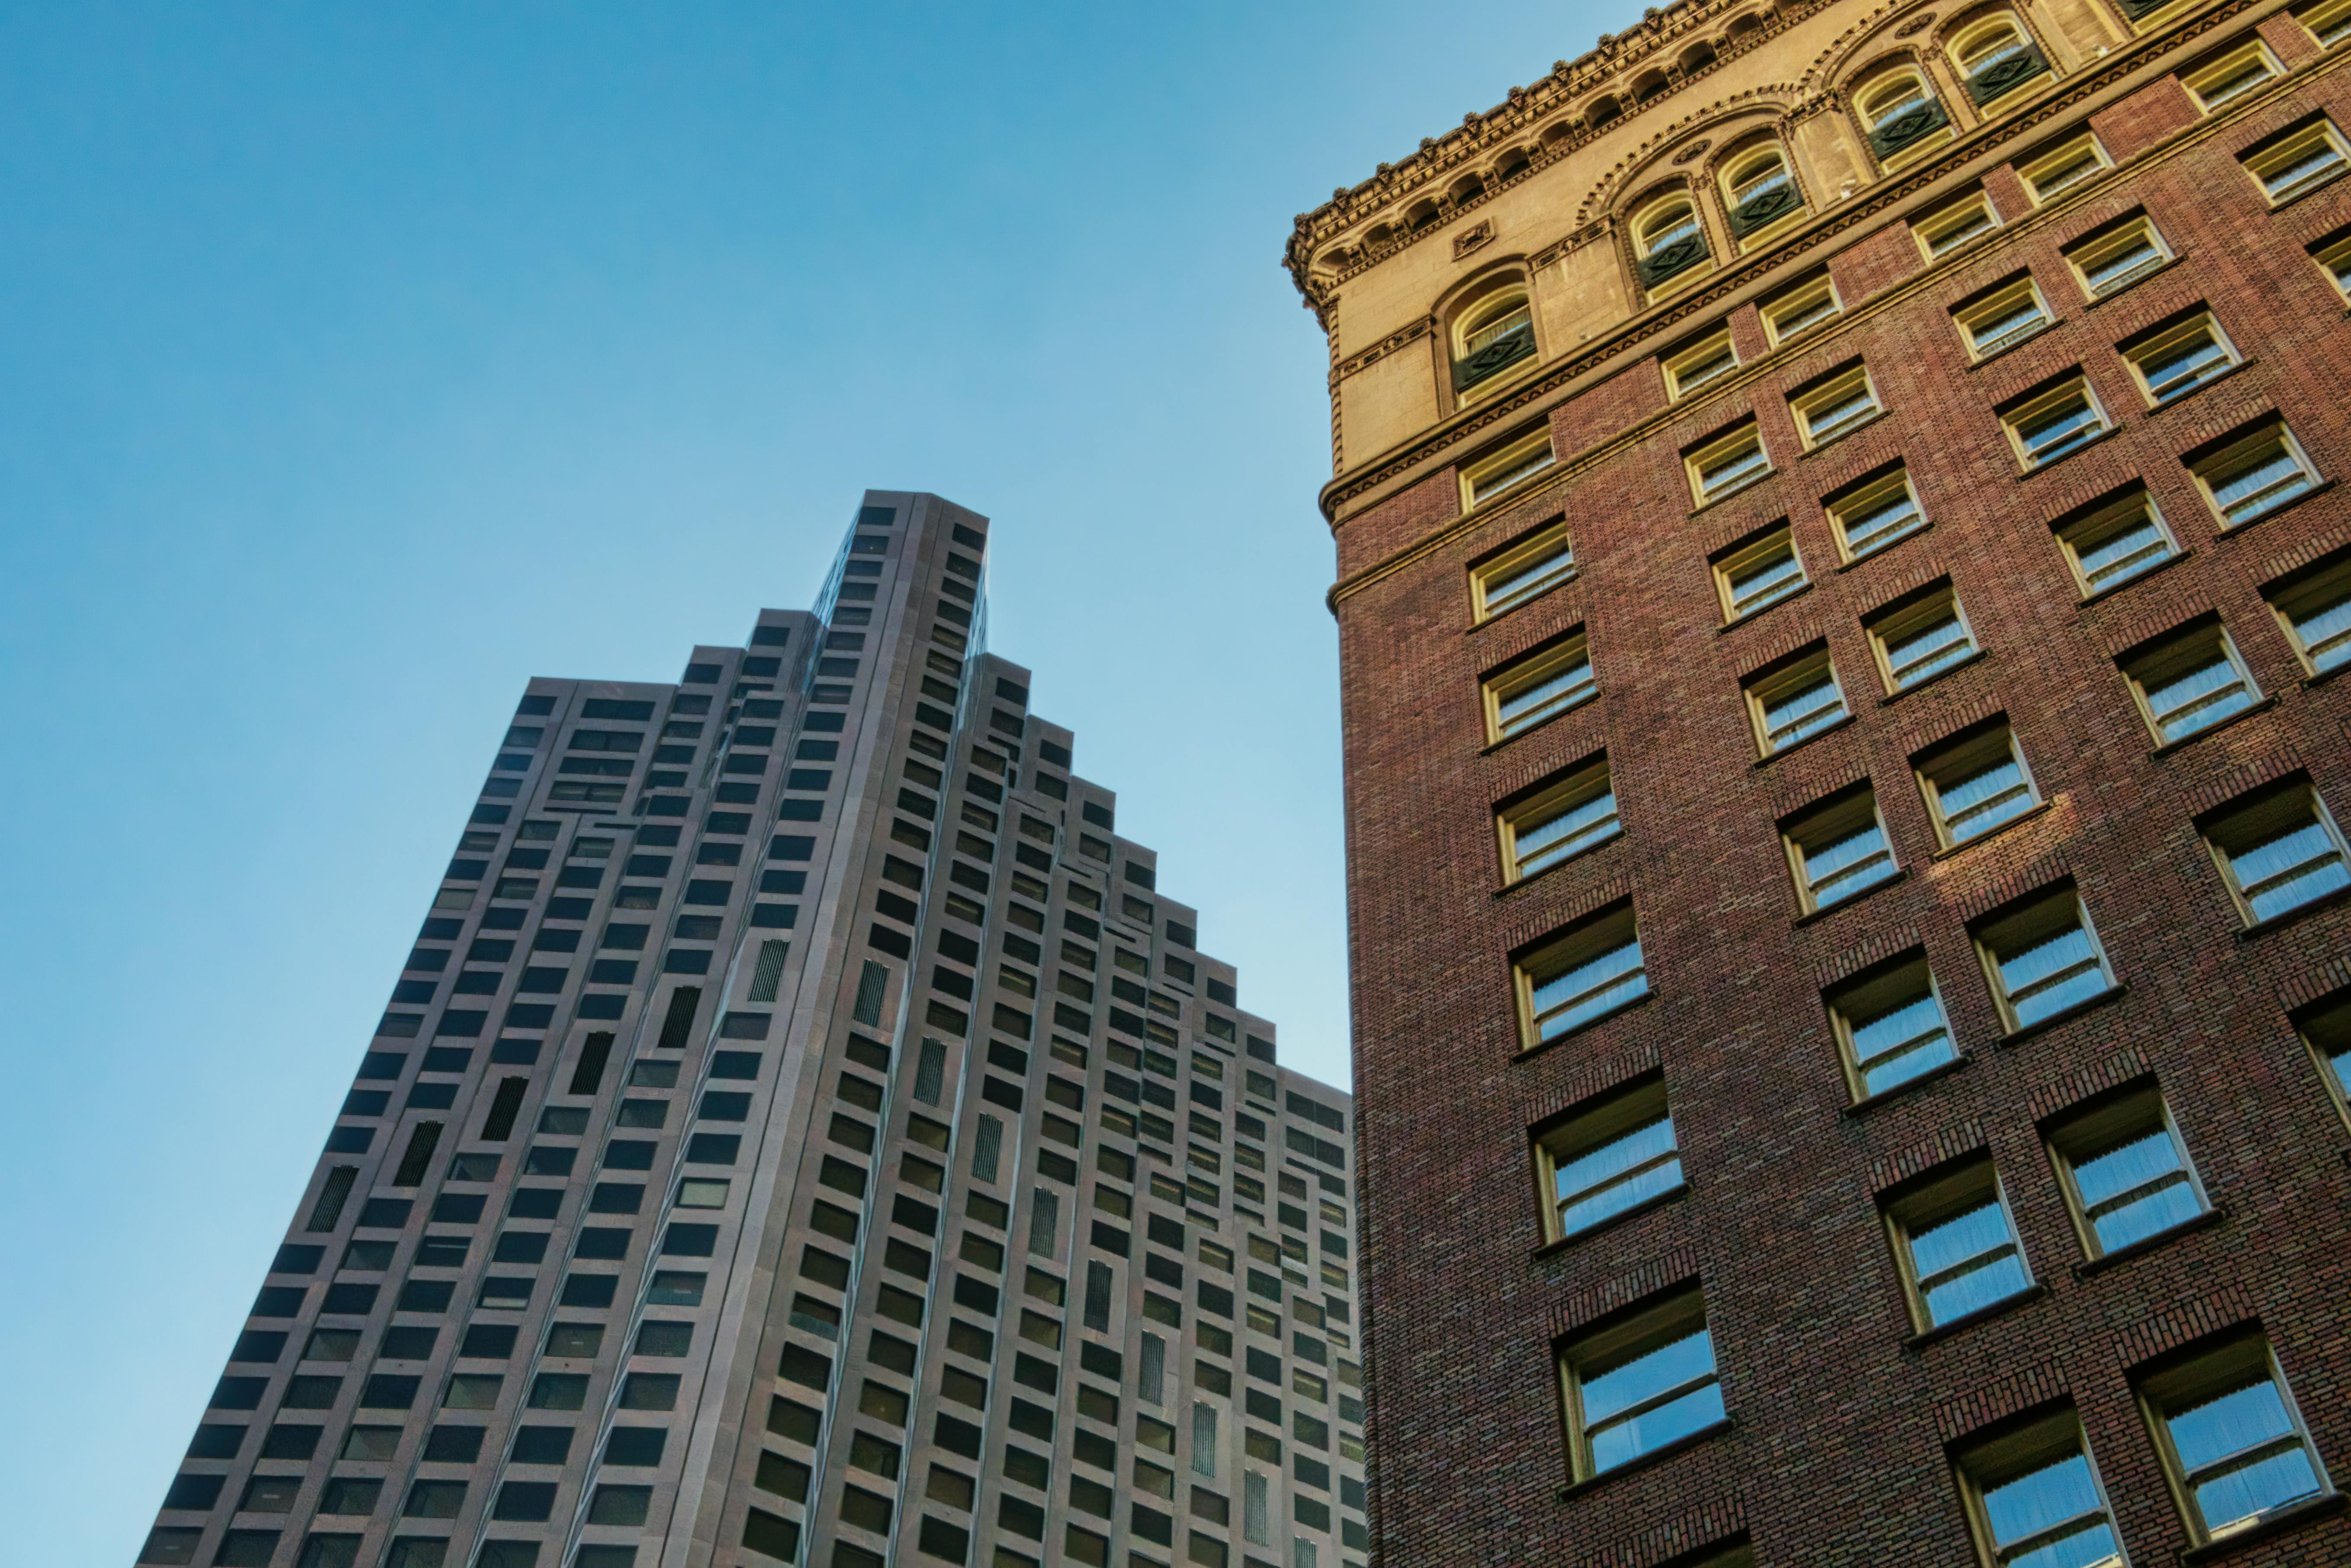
{"x": 1659, "y": 267}
{"x": 1897, "y": 135}
{"x": 1478, "y": 358}
{"x": 1991, "y": 82}
{"x": 1764, "y": 210}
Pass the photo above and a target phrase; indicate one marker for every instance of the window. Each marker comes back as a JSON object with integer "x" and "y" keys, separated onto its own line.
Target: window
{"x": 2277, "y": 851}
{"x": 1841, "y": 404}
{"x": 1729, "y": 464}
{"x": 1955, "y": 1242}
{"x": 1543, "y": 684}
{"x": 1795, "y": 702}
{"x": 2002, "y": 318}
{"x": 1922, "y": 636}
{"x": 1490, "y": 336}
{"x": 2115, "y": 256}
{"x": 2230, "y": 75}
{"x": 2042, "y": 957}
{"x": 2063, "y": 167}
{"x": 1946, "y": 229}
{"x": 2231, "y": 1436}
{"x": 1616, "y": 1152}
{"x": 1580, "y": 977}
{"x": 2315, "y": 609}
{"x": 2055, "y": 423}
{"x": 2033, "y": 1499}
{"x": 1640, "y": 1383}
{"x": 1667, "y": 241}
{"x": 2187, "y": 682}
{"x": 1759, "y": 574}
{"x": 1557, "y": 823}
{"x": 1876, "y": 513}
{"x": 1708, "y": 360}
{"x": 2329, "y": 21}
{"x": 1996, "y": 57}
{"x": 1525, "y": 570}
{"x": 2125, "y": 1171}
{"x": 2174, "y": 360}
{"x": 2334, "y": 257}
{"x": 1890, "y": 1027}
{"x": 1838, "y": 850}
{"x": 2327, "y": 1033}
{"x": 2251, "y": 475}
{"x": 1974, "y": 783}
{"x": 2298, "y": 162}
{"x": 1800, "y": 309}
{"x": 1488, "y": 474}
{"x": 1759, "y": 192}
{"x": 1901, "y": 117}
{"x": 2114, "y": 541}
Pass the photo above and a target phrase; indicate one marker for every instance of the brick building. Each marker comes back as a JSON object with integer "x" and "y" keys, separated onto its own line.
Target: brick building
{"x": 1840, "y": 572}
{"x": 804, "y": 1132}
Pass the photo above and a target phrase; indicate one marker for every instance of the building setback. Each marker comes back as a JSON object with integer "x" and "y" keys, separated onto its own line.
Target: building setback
{"x": 1842, "y": 594}
{"x": 804, "y": 1134}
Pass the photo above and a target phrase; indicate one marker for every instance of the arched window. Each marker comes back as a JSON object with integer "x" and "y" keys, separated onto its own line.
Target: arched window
{"x": 1492, "y": 333}
{"x": 1758, "y": 189}
{"x": 1650, "y": 85}
{"x": 1995, "y": 56}
{"x": 1696, "y": 58}
{"x": 1511, "y": 163}
{"x": 1420, "y": 215}
{"x": 1668, "y": 240}
{"x": 1899, "y": 112}
{"x": 1603, "y": 109}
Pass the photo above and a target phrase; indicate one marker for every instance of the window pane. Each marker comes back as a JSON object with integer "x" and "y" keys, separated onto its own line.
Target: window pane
{"x": 2127, "y": 264}
{"x": 1802, "y": 713}
{"x": 1765, "y": 580}
{"x": 2052, "y": 975}
{"x": 1897, "y": 1047}
{"x": 1648, "y": 1375}
{"x": 1637, "y": 1434}
{"x": 1555, "y": 693}
{"x": 1923, "y": 654}
{"x": 1548, "y": 841}
{"x": 2136, "y": 1190}
{"x": 1617, "y": 1175}
{"x": 2199, "y": 699}
{"x": 2242, "y": 1454}
{"x": 2273, "y": 478}
{"x": 2011, "y": 325}
{"x": 1590, "y": 989}
{"x": 1519, "y": 583}
{"x": 1982, "y": 800}
{"x": 2066, "y": 426}
{"x": 2289, "y": 870}
{"x": 2325, "y": 633}
{"x": 1966, "y": 1263}
{"x": 2123, "y": 555}
{"x": 2056, "y": 1513}
{"x": 1851, "y": 865}
{"x": 2185, "y": 365}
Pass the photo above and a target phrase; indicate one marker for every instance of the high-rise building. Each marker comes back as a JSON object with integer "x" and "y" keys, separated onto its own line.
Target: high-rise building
{"x": 1843, "y": 602}
{"x": 804, "y": 1134}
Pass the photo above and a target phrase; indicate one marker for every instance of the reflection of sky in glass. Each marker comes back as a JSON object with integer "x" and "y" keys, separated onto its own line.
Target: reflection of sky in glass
{"x": 2037, "y": 1503}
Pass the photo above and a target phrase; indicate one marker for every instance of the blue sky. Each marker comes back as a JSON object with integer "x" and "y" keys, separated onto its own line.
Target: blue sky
{"x": 362, "y": 362}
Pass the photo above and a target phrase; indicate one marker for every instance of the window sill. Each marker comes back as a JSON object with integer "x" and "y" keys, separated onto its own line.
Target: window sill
{"x": 2230, "y": 531}
{"x": 1938, "y": 675}
{"x": 2102, "y": 595}
{"x": 2156, "y": 271}
{"x": 1901, "y": 874}
{"x": 2291, "y": 1517}
{"x": 2146, "y": 1244}
{"x": 1583, "y": 1028}
{"x": 1886, "y": 1096}
{"x": 2340, "y": 896}
{"x": 1846, "y": 434}
{"x": 2007, "y": 349}
{"x": 2037, "y": 808}
{"x": 1709, "y": 504}
{"x": 2096, "y": 441}
{"x": 1754, "y": 615}
{"x": 1921, "y": 532}
{"x": 2242, "y": 714}
{"x": 2064, "y": 1015}
{"x": 1553, "y": 1249}
{"x": 2006, "y": 1304}
{"x": 1655, "y": 1456}
{"x": 1829, "y": 729}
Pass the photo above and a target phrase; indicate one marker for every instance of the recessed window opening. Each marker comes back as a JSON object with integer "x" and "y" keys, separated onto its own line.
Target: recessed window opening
{"x": 1614, "y": 1155}
{"x": 1875, "y": 513}
{"x": 1892, "y": 1027}
{"x": 2279, "y": 851}
{"x": 2114, "y": 258}
{"x": 2190, "y": 681}
{"x": 1958, "y": 1245}
{"x": 2115, "y": 542}
{"x": 1559, "y": 823}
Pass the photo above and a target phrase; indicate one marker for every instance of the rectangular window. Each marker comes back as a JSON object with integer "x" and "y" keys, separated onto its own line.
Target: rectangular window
{"x": 2189, "y": 681}
{"x": 1557, "y": 824}
{"x": 1869, "y": 516}
{"x": 2174, "y": 360}
{"x": 2055, "y": 422}
{"x": 1724, "y": 467}
{"x": 1759, "y": 574}
{"x": 1543, "y": 684}
{"x": 2230, "y": 75}
{"x": 2125, "y": 1171}
{"x": 2329, "y": 21}
{"x": 2231, "y": 1436}
{"x": 1490, "y": 473}
{"x": 1527, "y": 569}
{"x": 1800, "y": 309}
{"x": 2112, "y": 542}
{"x": 2298, "y": 162}
{"x": 2065, "y": 167}
{"x": 1580, "y": 977}
{"x": 2334, "y": 257}
{"x": 1834, "y": 407}
{"x": 1948, "y": 229}
{"x": 2315, "y": 610}
{"x": 2252, "y": 474}
{"x": 2113, "y": 258}
{"x": 2034, "y": 1501}
{"x": 1795, "y": 702}
{"x": 1710, "y": 359}
{"x": 2002, "y": 318}
{"x": 1890, "y": 1027}
{"x": 2042, "y": 957}
{"x": 2327, "y": 1033}
{"x": 1639, "y": 1384}
{"x": 1921, "y": 636}
{"x": 2277, "y": 850}
{"x": 1955, "y": 1244}
{"x": 1614, "y": 1153}
{"x": 1838, "y": 850}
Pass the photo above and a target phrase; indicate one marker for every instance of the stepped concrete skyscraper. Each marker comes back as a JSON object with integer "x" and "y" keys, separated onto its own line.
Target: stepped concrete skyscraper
{"x": 804, "y": 1132}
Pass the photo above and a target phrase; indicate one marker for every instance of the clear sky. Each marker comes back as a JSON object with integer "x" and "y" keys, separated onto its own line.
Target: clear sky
{"x": 361, "y": 362}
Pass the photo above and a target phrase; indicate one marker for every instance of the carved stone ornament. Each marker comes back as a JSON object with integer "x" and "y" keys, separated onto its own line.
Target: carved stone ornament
{"x": 1916, "y": 25}
{"x": 1471, "y": 239}
{"x": 1693, "y": 152}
